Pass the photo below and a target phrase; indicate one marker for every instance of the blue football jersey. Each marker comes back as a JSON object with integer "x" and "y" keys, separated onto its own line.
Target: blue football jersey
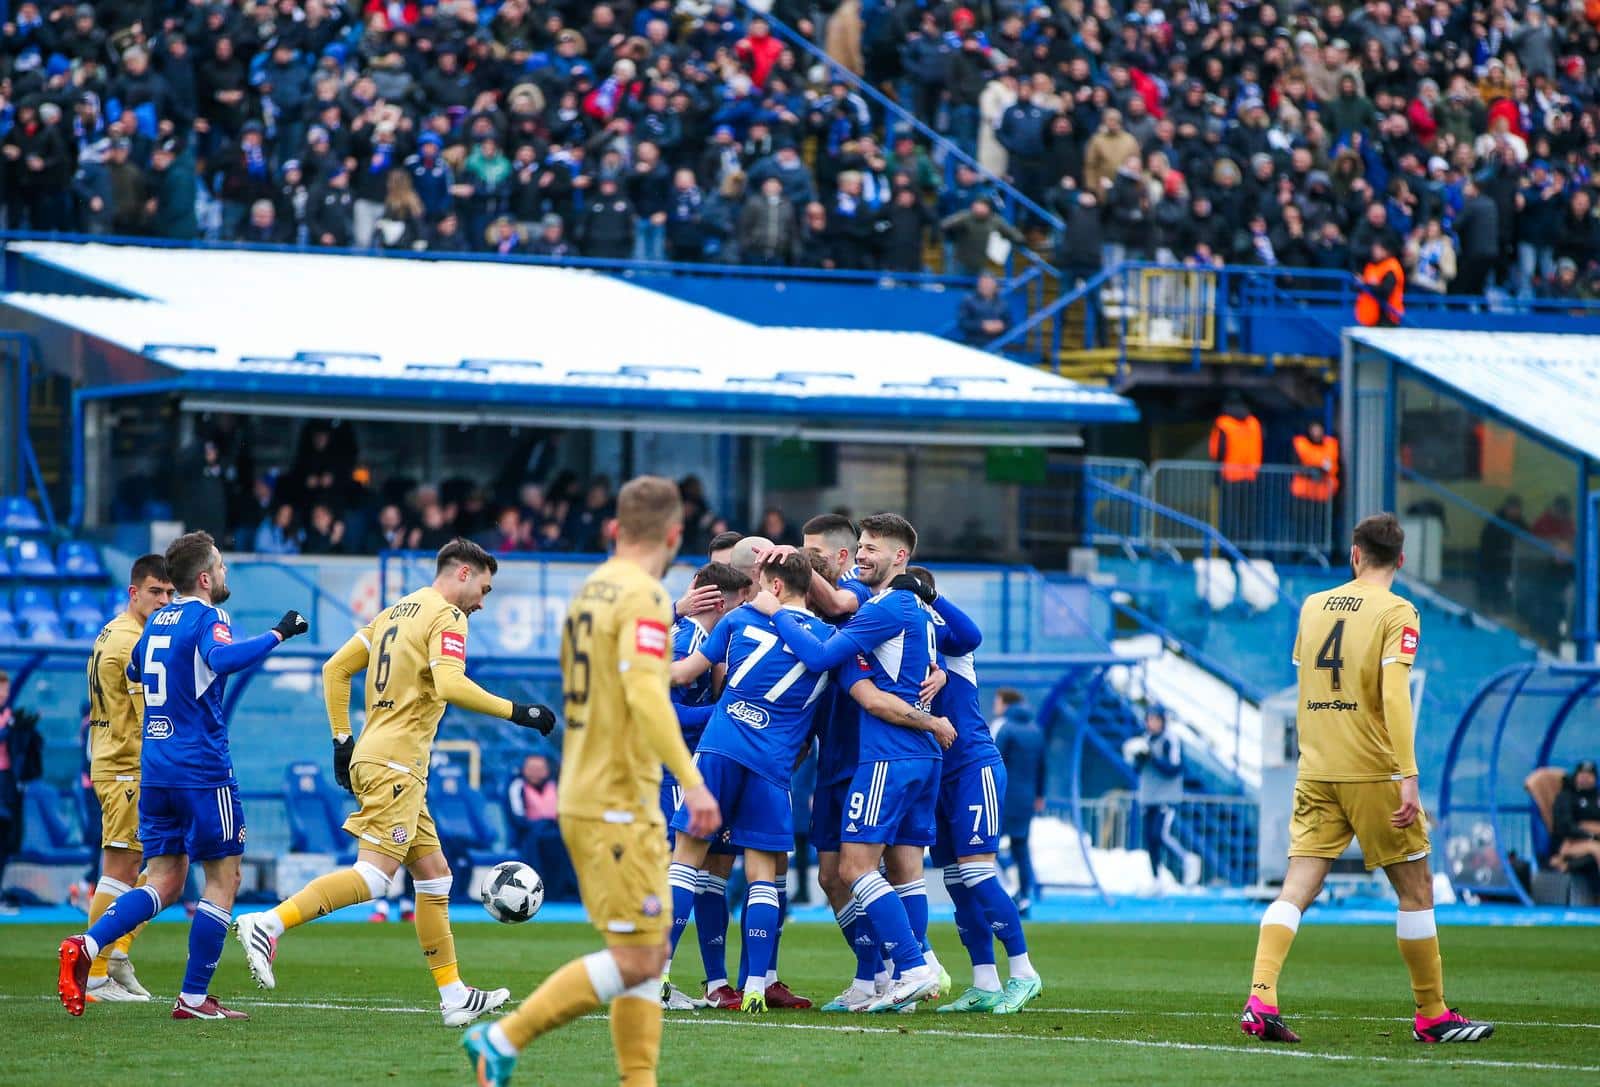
{"x": 180, "y": 661}
{"x": 974, "y": 745}
{"x": 894, "y": 638}
{"x": 838, "y": 717}
{"x": 763, "y": 719}
{"x": 688, "y": 636}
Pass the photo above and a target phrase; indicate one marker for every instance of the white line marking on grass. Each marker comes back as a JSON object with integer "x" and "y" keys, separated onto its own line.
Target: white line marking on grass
{"x": 1327, "y": 1016}
{"x": 1137, "y": 1043}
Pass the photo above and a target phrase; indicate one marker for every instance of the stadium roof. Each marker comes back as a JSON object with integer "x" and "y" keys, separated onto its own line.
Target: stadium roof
{"x": 489, "y": 341}
{"x": 1547, "y": 383}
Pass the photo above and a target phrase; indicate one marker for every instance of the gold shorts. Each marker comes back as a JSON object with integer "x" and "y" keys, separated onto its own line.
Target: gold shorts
{"x": 1327, "y": 814}
{"x": 119, "y": 814}
{"x": 622, "y": 876}
{"x": 394, "y": 817}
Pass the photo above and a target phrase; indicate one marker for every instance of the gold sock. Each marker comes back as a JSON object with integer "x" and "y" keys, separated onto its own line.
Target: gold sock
{"x": 1272, "y": 948}
{"x": 1427, "y": 975}
{"x": 636, "y": 1036}
{"x": 322, "y": 896}
{"x": 433, "y": 933}
{"x": 98, "y": 905}
{"x": 565, "y": 995}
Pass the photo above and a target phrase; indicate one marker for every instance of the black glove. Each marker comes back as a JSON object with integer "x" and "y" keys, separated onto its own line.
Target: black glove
{"x": 291, "y": 624}
{"x": 916, "y": 585}
{"x": 532, "y": 715}
{"x": 342, "y": 750}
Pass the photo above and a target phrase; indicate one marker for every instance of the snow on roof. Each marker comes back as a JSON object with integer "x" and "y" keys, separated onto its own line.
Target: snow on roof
{"x": 1548, "y": 382}
{"x": 534, "y": 334}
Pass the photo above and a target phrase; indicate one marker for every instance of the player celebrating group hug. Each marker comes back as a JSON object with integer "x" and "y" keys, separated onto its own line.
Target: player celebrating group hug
{"x": 683, "y": 726}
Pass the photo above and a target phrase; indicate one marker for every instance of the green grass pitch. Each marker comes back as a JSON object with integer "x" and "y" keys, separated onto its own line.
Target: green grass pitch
{"x": 1138, "y": 1005}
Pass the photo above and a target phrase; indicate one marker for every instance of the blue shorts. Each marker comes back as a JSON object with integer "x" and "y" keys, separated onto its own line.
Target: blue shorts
{"x": 755, "y": 812}
{"x": 202, "y": 824}
{"x": 827, "y": 815}
{"x": 969, "y": 813}
{"x": 671, "y": 800}
{"x": 893, "y": 803}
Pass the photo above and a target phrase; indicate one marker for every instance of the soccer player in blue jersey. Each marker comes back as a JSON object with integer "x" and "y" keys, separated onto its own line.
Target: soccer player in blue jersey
{"x": 189, "y": 800}
{"x": 971, "y": 788}
{"x": 760, "y": 727}
{"x": 693, "y": 704}
{"x": 890, "y": 809}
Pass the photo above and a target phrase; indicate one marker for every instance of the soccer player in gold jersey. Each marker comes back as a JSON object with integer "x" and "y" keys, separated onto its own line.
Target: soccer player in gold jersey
{"x": 620, "y": 730}
{"x": 1358, "y": 778}
{"x": 415, "y": 657}
{"x": 116, "y": 731}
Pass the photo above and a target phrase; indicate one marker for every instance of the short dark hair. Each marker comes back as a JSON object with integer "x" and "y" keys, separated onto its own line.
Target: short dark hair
{"x": 822, "y": 565}
{"x": 835, "y": 525}
{"x": 188, "y": 557}
{"x": 1381, "y": 539}
{"x": 722, "y": 540}
{"x": 794, "y": 570}
{"x": 1009, "y": 696}
{"x": 891, "y": 526}
{"x": 461, "y": 551}
{"x": 722, "y": 576}
{"x": 148, "y": 566}
{"x": 922, "y": 574}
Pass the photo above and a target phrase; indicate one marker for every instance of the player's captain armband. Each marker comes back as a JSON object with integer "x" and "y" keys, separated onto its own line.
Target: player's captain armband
{"x": 1409, "y": 637}
{"x": 454, "y": 645}
{"x": 650, "y": 638}
{"x": 221, "y": 634}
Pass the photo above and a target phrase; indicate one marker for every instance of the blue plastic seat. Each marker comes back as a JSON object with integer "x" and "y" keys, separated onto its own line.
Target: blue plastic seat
{"x": 113, "y": 603}
{"x": 317, "y": 808}
{"x": 460, "y": 814}
{"x": 18, "y": 515}
{"x": 35, "y": 611}
{"x": 5, "y": 567}
{"x": 80, "y": 611}
{"x": 31, "y": 559}
{"x": 47, "y": 837}
{"x": 79, "y": 559}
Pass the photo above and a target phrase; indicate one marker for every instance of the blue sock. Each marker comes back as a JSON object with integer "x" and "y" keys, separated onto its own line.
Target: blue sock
{"x": 684, "y": 881}
{"x": 711, "y": 925}
{"x": 915, "y": 897}
{"x": 864, "y": 949}
{"x": 970, "y": 925}
{"x": 783, "y": 915}
{"x": 207, "y": 933}
{"x": 127, "y": 913}
{"x": 744, "y": 940}
{"x": 999, "y": 911}
{"x": 887, "y": 915}
{"x": 761, "y": 913}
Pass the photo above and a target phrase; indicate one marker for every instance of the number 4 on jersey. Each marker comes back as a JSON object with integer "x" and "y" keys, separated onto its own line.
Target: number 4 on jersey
{"x": 1330, "y": 658}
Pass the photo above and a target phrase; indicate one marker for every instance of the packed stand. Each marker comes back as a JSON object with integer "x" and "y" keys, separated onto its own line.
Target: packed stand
{"x": 1464, "y": 135}
{"x": 606, "y": 130}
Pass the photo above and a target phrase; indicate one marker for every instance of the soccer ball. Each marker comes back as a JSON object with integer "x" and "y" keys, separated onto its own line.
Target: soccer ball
{"x": 513, "y": 892}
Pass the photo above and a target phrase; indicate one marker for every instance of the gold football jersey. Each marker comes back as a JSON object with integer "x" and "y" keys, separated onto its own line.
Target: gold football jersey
{"x": 116, "y": 703}
{"x": 1346, "y": 637}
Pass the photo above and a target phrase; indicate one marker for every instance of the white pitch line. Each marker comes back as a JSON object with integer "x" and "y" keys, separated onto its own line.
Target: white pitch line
{"x": 1142, "y": 1043}
{"x": 1325, "y": 1016}
{"x": 1135, "y": 1043}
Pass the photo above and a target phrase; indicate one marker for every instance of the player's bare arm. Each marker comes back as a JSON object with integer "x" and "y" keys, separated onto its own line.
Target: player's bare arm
{"x": 895, "y": 710}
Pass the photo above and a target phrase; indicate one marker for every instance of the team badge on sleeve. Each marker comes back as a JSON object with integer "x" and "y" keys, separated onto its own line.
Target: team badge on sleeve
{"x": 650, "y": 638}
{"x": 1409, "y": 639}
{"x": 454, "y": 645}
{"x": 220, "y": 632}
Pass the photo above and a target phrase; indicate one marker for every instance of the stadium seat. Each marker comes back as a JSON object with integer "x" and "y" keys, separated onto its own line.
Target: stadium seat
{"x": 317, "y": 810}
{"x": 18, "y": 515}
{"x": 35, "y": 611}
{"x": 10, "y": 629}
{"x": 5, "y": 567}
{"x": 114, "y": 602}
{"x": 31, "y": 559}
{"x": 460, "y": 814}
{"x": 47, "y": 838}
{"x": 79, "y": 559}
{"x": 80, "y": 611}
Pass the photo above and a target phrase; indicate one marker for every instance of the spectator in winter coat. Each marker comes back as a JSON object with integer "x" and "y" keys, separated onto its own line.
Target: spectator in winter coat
{"x": 767, "y": 228}
{"x": 1478, "y": 227}
{"x": 431, "y": 175}
{"x": 984, "y": 314}
{"x": 686, "y": 234}
{"x": 170, "y": 208}
{"x": 246, "y": 177}
{"x": 758, "y": 50}
{"x": 1022, "y": 745}
{"x": 1106, "y": 152}
{"x": 551, "y": 240}
{"x": 789, "y": 168}
{"x": 1079, "y": 250}
{"x": 852, "y": 225}
{"x": 1430, "y": 259}
{"x": 816, "y": 248}
{"x": 908, "y": 220}
{"x": 607, "y": 227}
{"x": 971, "y": 231}
{"x": 1157, "y": 758}
{"x": 261, "y": 225}
{"x": 330, "y": 211}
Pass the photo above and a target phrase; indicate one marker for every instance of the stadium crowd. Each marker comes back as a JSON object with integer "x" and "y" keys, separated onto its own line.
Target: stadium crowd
{"x": 1465, "y": 135}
